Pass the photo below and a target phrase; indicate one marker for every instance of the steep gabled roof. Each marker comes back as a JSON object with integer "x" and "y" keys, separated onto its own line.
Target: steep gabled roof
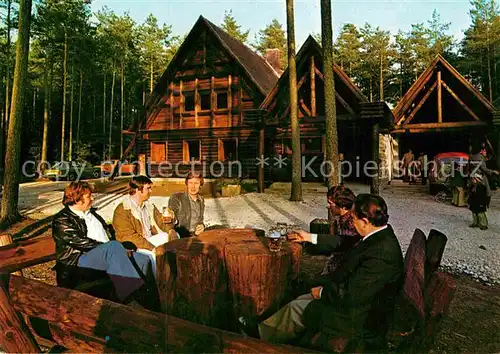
{"x": 463, "y": 89}
{"x": 255, "y": 66}
{"x": 311, "y": 47}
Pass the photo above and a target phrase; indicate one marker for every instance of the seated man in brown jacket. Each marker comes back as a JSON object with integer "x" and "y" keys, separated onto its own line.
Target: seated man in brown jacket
{"x": 139, "y": 222}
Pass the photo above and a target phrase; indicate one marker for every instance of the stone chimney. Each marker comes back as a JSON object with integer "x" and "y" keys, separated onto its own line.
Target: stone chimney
{"x": 273, "y": 57}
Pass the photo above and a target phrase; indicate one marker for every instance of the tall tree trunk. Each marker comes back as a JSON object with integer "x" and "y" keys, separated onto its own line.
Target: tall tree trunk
{"x": 111, "y": 110}
{"x": 371, "y": 88}
{"x": 143, "y": 94}
{"x": 9, "y": 212}
{"x": 332, "y": 153}
{"x": 5, "y": 120}
{"x": 122, "y": 111}
{"x": 46, "y": 104}
{"x": 72, "y": 83}
{"x": 381, "y": 77}
{"x": 104, "y": 121}
{"x": 65, "y": 82}
{"x": 34, "y": 105}
{"x": 296, "y": 193}
{"x": 79, "y": 113}
{"x": 490, "y": 85}
{"x": 151, "y": 77}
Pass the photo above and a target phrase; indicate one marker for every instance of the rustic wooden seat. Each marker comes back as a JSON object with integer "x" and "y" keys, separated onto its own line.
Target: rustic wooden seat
{"x": 424, "y": 301}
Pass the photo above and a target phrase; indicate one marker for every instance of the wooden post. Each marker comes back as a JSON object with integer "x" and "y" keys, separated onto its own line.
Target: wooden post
{"x": 196, "y": 103}
{"x": 439, "y": 102}
{"x": 240, "y": 101}
{"x": 313, "y": 88}
{"x": 213, "y": 102}
{"x": 181, "y": 104}
{"x": 6, "y": 239}
{"x": 171, "y": 105}
{"x": 230, "y": 101}
{"x": 260, "y": 175}
{"x": 15, "y": 336}
{"x": 375, "y": 186}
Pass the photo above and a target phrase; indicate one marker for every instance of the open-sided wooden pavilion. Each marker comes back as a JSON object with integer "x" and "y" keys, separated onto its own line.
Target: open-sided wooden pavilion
{"x": 205, "y": 106}
{"x": 356, "y": 117}
{"x": 441, "y": 112}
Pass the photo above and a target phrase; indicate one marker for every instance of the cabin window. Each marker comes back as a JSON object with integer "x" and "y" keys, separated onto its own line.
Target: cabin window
{"x": 189, "y": 102}
{"x": 191, "y": 151}
{"x": 228, "y": 150}
{"x": 222, "y": 100}
{"x": 205, "y": 101}
{"x": 311, "y": 145}
{"x": 158, "y": 151}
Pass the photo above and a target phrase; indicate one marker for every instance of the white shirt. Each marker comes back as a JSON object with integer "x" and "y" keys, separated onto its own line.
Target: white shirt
{"x": 95, "y": 230}
{"x": 143, "y": 212}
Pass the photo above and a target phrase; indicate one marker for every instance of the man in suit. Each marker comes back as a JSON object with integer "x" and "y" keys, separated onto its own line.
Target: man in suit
{"x": 355, "y": 301}
{"x": 189, "y": 207}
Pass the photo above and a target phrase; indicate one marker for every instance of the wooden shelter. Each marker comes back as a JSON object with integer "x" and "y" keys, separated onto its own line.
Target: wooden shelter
{"x": 441, "y": 112}
{"x": 354, "y": 114}
{"x": 205, "y": 106}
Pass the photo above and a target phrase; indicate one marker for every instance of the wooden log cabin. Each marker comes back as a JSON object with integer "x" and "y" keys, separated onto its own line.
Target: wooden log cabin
{"x": 441, "y": 112}
{"x": 205, "y": 107}
{"x": 356, "y": 117}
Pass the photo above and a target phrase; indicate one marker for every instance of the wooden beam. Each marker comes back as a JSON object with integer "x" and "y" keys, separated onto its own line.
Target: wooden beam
{"x": 464, "y": 106}
{"x": 406, "y": 127}
{"x": 344, "y": 103}
{"x": 240, "y": 101}
{"x": 230, "y": 98}
{"x": 5, "y": 240}
{"x": 420, "y": 104}
{"x": 319, "y": 73}
{"x": 19, "y": 255}
{"x": 16, "y": 337}
{"x": 171, "y": 105}
{"x": 196, "y": 103}
{"x": 313, "y": 87}
{"x": 301, "y": 81}
{"x": 110, "y": 326}
{"x": 304, "y": 108}
{"x": 181, "y": 105}
{"x": 213, "y": 102}
{"x": 439, "y": 100}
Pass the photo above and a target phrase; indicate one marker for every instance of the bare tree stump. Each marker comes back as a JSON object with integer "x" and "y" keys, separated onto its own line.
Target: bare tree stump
{"x": 222, "y": 274}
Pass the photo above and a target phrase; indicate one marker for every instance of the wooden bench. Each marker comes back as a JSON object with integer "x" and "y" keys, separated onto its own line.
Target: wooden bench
{"x": 78, "y": 322}
{"x": 424, "y": 301}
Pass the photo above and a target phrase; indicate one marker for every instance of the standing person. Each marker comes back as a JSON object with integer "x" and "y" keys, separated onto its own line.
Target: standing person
{"x": 407, "y": 162}
{"x": 137, "y": 221}
{"x": 358, "y": 297}
{"x": 478, "y": 201}
{"x": 422, "y": 164}
{"x": 478, "y": 165}
{"x": 189, "y": 207}
{"x": 84, "y": 245}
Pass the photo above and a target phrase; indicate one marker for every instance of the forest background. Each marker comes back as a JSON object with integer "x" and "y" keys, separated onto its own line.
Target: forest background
{"x": 89, "y": 74}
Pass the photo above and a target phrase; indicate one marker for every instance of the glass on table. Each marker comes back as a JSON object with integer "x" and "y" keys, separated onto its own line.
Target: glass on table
{"x": 275, "y": 242}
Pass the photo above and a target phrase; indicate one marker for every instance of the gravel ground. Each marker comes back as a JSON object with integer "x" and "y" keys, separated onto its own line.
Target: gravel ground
{"x": 468, "y": 251}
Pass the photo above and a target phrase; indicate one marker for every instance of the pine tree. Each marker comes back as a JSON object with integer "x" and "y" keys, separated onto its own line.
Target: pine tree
{"x": 272, "y": 37}
{"x": 230, "y": 25}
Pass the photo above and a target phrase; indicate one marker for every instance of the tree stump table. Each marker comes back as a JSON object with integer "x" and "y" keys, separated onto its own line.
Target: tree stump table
{"x": 223, "y": 274}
